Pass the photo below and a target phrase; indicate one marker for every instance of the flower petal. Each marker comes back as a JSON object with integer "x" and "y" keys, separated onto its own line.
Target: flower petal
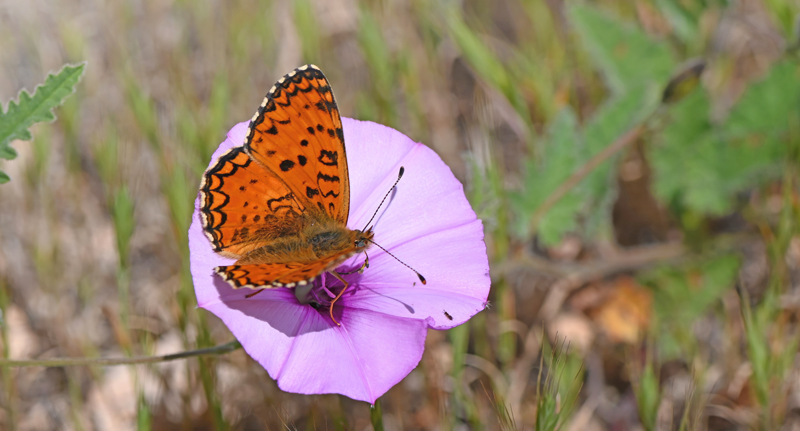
{"x": 427, "y": 222}
{"x": 307, "y": 354}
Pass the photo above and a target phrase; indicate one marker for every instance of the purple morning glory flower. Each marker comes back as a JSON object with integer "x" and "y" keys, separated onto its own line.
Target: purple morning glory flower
{"x": 386, "y": 312}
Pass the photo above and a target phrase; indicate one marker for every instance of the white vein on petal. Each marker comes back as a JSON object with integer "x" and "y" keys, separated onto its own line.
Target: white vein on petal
{"x": 361, "y": 371}
{"x": 454, "y": 322}
{"x": 363, "y": 210}
{"x": 418, "y": 236}
{"x": 289, "y": 352}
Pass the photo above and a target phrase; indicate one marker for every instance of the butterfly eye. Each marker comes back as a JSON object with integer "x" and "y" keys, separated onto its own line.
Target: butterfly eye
{"x": 360, "y": 243}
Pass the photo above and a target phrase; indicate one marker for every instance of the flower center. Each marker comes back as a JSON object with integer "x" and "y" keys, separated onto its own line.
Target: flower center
{"x": 321, "y": 291}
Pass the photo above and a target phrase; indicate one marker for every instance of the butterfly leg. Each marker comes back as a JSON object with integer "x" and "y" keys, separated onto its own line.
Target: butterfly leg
{"x": 340, "y": 278}
{"x": 359, "y": 270}
{"x": 250, "y": 295}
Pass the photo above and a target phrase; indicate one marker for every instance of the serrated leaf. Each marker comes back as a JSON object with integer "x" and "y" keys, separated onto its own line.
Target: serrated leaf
{"x": 8, "y": 153}
{"x": 702, "y": 166}
{"x": 560, "y": 156}
{"x": 611, "y": 121}
{"x": 565, "y": 150}
{"x": 767, "y": 105}
{"x": 30, "y": 109}
{"x": 627, "y": 56}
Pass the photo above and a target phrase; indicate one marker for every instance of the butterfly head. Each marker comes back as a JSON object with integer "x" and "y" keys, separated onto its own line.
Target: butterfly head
{"x": 363, "y": 239}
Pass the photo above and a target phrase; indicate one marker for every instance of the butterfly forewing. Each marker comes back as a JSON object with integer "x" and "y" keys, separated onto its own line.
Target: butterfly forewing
{"x": 297, "y": 134}
{"x": 244, "y": 206}
{"x": 279, "y": 204}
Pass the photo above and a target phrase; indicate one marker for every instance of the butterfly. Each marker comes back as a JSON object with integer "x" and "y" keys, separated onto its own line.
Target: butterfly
{"x": 279, "y": 203}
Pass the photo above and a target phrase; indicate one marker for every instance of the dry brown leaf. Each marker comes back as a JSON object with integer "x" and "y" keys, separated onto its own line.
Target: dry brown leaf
{"x": 625, "y": 314}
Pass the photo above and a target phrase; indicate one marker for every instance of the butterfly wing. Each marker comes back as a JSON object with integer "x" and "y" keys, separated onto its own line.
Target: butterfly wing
{"x": 269, "y": 275}
{"x": 297, "y": 134}
{"x": 244, "y": 206}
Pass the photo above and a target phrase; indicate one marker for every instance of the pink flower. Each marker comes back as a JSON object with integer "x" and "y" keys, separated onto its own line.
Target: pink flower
{"x": 386, "y": 312}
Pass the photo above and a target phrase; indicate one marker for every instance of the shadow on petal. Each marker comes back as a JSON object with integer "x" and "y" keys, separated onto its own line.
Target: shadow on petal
{"x": 278, "y": 308}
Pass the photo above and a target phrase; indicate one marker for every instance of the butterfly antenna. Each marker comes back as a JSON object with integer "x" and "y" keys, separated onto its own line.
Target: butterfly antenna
{"x": 400, "y": 175}
{"x": 421, "y": 278}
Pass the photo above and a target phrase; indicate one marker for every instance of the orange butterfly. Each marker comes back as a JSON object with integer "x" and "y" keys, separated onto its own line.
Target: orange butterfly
{"x": 279, "y": 204}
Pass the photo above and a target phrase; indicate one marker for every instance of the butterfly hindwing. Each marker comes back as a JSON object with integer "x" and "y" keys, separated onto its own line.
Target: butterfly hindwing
{"x": 244, "y": 206}
{"x": 297, "y": 134}
{"x": 268, "y": 275}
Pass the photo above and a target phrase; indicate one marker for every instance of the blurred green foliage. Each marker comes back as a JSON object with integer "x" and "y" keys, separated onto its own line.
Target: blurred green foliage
{"x": 701, "y": 164}
{"x": 681, "y": 296}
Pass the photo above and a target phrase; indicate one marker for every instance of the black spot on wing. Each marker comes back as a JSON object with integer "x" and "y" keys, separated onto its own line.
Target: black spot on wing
{"x": 302, "y": 160}
{"x": 327, "y": 178}
{"x": 286, "y": 165}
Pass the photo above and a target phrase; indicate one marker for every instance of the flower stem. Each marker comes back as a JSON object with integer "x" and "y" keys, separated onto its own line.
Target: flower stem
{"x": 66, "y": 362}
{"x": 376, "y": 415}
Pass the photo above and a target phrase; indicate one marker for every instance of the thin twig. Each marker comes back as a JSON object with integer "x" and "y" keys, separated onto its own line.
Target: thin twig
{"x": 623, "y": 141}
{"x": 68, "y": 362}
{"x": 571, "y": 276}
{"x": 627, "y": 259}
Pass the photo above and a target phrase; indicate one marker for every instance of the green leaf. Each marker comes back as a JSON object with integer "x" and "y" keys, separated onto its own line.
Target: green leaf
{"x": 560, "y": 157}
{"x": 4, "y": 178}
{"x": 703, "y": 166}
{"x": 627, "y": 56}
{"x": 767, "y": 105}
{"x": 16, "y": 120}
{"x": 611, "y": 121}
{"x": 565, "y": 149}
{"x": 8, "y": 153}
{"x": 682, "y": 295}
